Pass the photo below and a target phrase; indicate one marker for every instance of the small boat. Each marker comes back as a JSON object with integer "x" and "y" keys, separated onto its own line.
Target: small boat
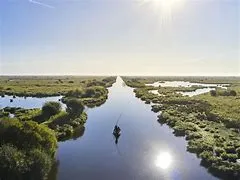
{"x": 117, "y": 132}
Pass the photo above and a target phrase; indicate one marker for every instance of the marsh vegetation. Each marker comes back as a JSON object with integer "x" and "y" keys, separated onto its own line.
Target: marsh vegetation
{"x": 29, "y": 138}
{"x": 210, "y": 122}
{"x": 45, "y": 86}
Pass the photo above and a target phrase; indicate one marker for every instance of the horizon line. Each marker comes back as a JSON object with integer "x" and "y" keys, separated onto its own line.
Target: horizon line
{"x": 160, "y": 75}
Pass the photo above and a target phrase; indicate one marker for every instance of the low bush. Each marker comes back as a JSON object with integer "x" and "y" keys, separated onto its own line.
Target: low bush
{"x": 74, "y": 107}
{"x": 51, "y": 108}
{"x": 27, "y": 150}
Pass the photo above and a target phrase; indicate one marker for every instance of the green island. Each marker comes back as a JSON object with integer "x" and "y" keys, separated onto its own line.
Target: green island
{"x": 210, "y": 122}
{"x": 29, "y": 139}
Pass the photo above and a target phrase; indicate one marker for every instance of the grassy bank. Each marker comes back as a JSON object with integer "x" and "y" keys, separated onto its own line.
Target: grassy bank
{"x": 44, "y": 86}
{"x": 27, "y": 149}
{"x": 29, "y": 139}
{"x": 90, "y": 96}
{"x": 62, "y": 122}
{"x": 210, "y": 124}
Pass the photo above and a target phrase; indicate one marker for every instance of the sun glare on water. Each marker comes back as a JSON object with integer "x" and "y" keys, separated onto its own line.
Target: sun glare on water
{"x": 164, "y": 160}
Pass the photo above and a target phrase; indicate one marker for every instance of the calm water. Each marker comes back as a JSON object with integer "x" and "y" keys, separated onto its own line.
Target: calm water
{"x": 28, "y": 102}
{"x": 156, "y": 92}
{"x": 197, "y": 92}
{"x": 206, "y": 87}
{"x": 185, "y": 84}
{"x": 146, "y": 150}
{"x": 189, "y": 93}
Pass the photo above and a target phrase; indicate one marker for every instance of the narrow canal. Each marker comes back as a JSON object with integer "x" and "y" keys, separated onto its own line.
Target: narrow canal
{"x": 145, "y": 150}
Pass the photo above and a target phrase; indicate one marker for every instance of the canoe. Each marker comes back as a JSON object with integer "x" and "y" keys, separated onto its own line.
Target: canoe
{"x": 117, "y": 134}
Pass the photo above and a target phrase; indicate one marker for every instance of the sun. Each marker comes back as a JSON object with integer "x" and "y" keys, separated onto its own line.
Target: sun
{"x": 164, "y": 8}
{"x": 164, "y": 5}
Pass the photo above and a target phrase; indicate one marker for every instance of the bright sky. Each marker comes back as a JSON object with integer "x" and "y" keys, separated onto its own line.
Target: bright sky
{"x": 122, "y": 37}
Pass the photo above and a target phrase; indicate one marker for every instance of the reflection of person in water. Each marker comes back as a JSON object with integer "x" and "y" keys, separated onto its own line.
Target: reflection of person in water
{"x": 116, "y": 139}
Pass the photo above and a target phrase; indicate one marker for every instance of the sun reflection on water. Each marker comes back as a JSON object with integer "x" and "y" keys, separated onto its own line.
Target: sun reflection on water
{"x": 164, "y": 160}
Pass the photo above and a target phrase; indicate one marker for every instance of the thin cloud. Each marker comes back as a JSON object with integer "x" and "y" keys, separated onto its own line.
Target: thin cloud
{"x": 41, "y": 4}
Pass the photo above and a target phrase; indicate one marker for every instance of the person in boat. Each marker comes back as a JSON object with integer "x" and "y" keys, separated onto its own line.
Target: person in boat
{"x": 116, "y": 133}
{"x": 116, "y": 129}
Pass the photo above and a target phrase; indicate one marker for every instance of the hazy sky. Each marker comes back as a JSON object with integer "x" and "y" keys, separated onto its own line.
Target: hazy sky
{"x": 134, "y": 37}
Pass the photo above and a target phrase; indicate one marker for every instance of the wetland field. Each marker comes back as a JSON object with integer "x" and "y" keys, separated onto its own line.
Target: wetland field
{"x": 60, "y": 127}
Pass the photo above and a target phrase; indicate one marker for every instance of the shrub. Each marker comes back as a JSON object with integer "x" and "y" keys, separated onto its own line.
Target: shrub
{"x": 21, "y": 164}
{"x": 216, "y": 136}
{"x": 28, "y": 135}
{"x": 74, "y": 107}
{"x": 227, "y": 93}
{"x": 156, "y": 108}
{"x": 58, "y": 119}
{"x": 199, "y": 145}
{"x": 3, "y": 113}
{"x": 225, "y": 170}
{"x": 179, "y": 131}
{"x": 95, "y": 83}
{"x": 95, "y": 91}
{"x": 193, "y": 135}
{"x": 208, "y": 158}
{"x": 213, "y": 93}
{"x": 230, "y": 157}
{"x": 219, "y": 151}
{"x": 51, "y": 108}
{"x": 224, "y": 156}
{"x": 230, "y": 149}
{"x": 13, "y": 162}
{"x": 238, "y": 152}
{"x": 90, "y": 92}
{"x": 202, "y": 125}
{"x": 40, "y": 164}
{"x": 75, "y": 93}
{"x": 233, "y": 93}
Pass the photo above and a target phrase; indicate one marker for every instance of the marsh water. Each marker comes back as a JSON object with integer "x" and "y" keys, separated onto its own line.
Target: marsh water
{"x": 197, "y": 92}
{"x": 27, "y": 102}
{"x": 185, "y": 84}
{"x": 204, "y": 87}
{"x": 145, "y": 149}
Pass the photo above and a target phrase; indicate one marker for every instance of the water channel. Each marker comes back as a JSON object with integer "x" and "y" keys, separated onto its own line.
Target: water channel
{"x": 145, "y": 150}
